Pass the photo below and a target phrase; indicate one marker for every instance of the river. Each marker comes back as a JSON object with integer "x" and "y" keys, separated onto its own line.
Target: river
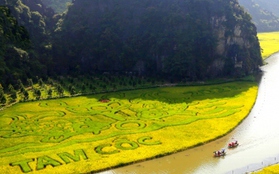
{"x": 257, "y": 135}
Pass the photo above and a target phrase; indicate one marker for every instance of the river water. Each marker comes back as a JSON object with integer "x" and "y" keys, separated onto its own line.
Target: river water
{"x": 257, "y": 135}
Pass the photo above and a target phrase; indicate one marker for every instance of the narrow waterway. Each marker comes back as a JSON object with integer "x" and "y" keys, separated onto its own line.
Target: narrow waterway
{"x": 257, "y": 134}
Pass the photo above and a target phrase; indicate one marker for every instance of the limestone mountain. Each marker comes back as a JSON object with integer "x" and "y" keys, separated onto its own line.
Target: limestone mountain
{"x": 265, "y": 14}
{"x": 173, "y": 38}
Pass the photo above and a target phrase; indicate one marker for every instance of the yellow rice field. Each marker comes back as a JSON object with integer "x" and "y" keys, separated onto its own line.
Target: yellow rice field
{"x": 269, "y": 43}
{"x": 97, "y": 132}
{"x": 273, "y": 169}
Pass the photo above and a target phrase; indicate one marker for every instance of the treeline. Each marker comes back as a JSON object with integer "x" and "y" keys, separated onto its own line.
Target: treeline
{"x": 60, "y": 86}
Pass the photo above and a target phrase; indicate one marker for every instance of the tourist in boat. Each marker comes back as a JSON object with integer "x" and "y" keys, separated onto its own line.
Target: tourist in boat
{"x": 215, "y": 153}
{"x": 233, "y": 143}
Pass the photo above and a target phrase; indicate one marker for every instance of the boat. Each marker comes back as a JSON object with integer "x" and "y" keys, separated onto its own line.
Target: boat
{"x": 233, "y": 144}
{"x": 219, "y": 153}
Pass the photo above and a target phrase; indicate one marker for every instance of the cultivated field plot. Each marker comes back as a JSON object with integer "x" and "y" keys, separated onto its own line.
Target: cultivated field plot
{"x": 92, "y": 133}
{"x": 269, "y": 43}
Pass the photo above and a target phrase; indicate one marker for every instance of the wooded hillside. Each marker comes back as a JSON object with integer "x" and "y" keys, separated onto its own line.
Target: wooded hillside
{"x": 178, "y": 38}
{"x": 15, "y": 59}
{"x": 265, "y": 14}
{"x": 171, "y": 39}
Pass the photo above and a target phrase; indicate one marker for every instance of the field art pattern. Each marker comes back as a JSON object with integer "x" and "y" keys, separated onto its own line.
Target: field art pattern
{"x": 95, "y": 132}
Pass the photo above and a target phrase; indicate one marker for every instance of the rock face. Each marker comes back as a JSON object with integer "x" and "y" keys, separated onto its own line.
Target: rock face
{"x": 237, "y": 43}
{"x": 185, "y": 39}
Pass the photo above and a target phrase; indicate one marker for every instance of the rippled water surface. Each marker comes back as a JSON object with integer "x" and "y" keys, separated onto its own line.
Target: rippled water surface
{"x": 258, "y": 136}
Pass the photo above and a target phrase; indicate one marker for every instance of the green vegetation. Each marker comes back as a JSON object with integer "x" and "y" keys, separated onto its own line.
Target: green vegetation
{"x": 15, "y": 43}
{"x": 24, "y": 31}
{"x": 40, "y": 89}
{"x": 269, "y": 43}
{"x": 95, "y": 132}
{"x": 149, "y": 38}
{"x": 142, "y": 37}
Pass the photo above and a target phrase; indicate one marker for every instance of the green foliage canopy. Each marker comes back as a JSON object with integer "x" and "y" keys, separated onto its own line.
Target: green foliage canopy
{"x": 176, "y": 39}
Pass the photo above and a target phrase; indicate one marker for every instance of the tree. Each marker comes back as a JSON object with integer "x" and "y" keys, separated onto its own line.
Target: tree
{"x": 26, "y": 95}
{"x": 60, "y": 90}
{"x": 37, "y": 93}
{"x": 2, "y": 95}
{"x": 30, "y": 82}
{"x": 49, "y": 93}
{"x": 3, "y": 99}
{"x": 20, "y": 85}
{"x": 11, "y": 88}
{"x": 1, "y": 91}
{"x": 50, "y": 81}
{"x": 40, "y": 82}
{"x": 14, "y": 95}
{"x": 83, "y": 87}
{"x": 72, "y": 90}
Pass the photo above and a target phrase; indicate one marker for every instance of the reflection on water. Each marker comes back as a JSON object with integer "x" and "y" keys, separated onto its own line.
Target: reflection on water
{"x": 257, "y": 135}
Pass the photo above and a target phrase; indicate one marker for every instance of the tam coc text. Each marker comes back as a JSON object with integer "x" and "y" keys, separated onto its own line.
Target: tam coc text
{"x": 77, "y": 155}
